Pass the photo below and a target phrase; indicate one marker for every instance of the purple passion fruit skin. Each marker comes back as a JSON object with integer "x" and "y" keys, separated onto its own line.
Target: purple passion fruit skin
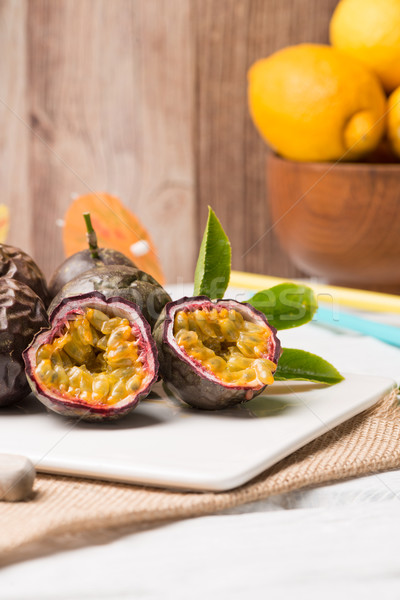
{"x": 215, "y": 354}
{"x": 96, "y": 361}
{"x": 16, "y": 264}
{"x": 117, "y": 280}
{"x": 22, "y": 314}
{"x": 82, "y": 261}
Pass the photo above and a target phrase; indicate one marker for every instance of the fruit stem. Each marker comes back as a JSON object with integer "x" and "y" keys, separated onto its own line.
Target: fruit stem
{"x": 91, "y": 236}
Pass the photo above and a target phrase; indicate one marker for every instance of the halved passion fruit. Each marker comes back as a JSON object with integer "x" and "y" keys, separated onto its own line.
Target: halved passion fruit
{"x": 96, "y": 361}
{"x": 214, "y": 354}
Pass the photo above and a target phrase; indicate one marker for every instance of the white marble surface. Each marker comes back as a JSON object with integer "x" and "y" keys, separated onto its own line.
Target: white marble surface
{"x": 335, "y": 541}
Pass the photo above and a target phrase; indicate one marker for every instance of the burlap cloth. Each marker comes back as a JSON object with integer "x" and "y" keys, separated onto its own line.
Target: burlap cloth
{"x": 368, "y": 443}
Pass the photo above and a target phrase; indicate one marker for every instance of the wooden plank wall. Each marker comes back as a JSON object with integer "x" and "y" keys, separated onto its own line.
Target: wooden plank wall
{"x": 230, "y": 36}
{"x": 145, "y": 99}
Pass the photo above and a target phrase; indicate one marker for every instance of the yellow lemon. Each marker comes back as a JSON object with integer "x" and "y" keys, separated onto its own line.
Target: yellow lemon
{"x": 393, "y": 121}
{"x": 370, "y": 31}
{"x": 313, "y": 103}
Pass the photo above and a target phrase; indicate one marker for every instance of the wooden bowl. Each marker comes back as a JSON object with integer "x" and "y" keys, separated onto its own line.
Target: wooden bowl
{"x": 340, "y": 221}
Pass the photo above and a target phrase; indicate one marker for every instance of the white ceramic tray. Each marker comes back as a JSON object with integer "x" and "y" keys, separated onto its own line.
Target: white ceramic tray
{"x": 164, "y": 443}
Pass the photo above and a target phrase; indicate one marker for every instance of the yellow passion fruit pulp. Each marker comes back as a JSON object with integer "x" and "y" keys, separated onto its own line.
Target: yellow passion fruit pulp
{"x": 97, "y": 360}
{"x": 231, "y": 348}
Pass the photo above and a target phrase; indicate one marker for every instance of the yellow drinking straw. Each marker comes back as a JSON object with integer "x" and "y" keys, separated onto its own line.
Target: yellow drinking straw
{"x": 359, "y": 299}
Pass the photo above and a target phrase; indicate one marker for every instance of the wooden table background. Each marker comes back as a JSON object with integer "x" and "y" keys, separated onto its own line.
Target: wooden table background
{"x": 145, "y": 99}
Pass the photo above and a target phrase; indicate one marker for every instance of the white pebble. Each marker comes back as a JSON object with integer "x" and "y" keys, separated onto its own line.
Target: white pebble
{"x": 140, "y": 248}
{"x": 17, "y": 475}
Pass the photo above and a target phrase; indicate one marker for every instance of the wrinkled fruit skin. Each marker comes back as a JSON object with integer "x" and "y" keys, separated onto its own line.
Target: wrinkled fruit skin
{"x": 187, "y": 383}
{"x": 127, "y": 282}
{"x": 82, "y": 261}
{"x": 22, "y": 314}
{"x": 69, "y": 407}
{"x": 16, "y": 264}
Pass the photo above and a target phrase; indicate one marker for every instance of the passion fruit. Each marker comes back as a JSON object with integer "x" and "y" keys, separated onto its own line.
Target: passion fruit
{"x": 85, "y": 260}
{"x": 96, "y": 361}
{"x": 116, "y": 280}
{"x": 22, "y": 314}
{"x": 16, "y": 264}
{"x": 215, "y": 354}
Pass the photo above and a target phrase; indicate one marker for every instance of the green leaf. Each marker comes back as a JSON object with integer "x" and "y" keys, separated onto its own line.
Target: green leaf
{"x": 301, "y": 365}
{"x": 286, "y": 305}
{"x": 213, "y": 267}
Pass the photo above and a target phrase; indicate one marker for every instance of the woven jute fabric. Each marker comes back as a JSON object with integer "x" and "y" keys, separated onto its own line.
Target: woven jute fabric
{"x": 366, "y": 444}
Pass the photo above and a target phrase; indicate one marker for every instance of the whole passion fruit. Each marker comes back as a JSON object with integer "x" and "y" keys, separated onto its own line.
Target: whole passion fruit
{"x": 215, "y": 354}
{"x": 16, "y": 264}
{"x": 85, "y": 260}
{"x": 22, "y": 314}
{"x": 116, "y": 280}
{"x": 96, "y": 361}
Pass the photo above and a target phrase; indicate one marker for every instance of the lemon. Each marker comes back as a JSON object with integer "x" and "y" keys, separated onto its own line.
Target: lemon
{"x": 312, "y": 103}
{"x": 393, "y": 121}
{"x": 370, "y": 31}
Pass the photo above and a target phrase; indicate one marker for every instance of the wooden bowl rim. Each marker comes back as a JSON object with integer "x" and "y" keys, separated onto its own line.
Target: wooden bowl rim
{"x": 330, "y": 165}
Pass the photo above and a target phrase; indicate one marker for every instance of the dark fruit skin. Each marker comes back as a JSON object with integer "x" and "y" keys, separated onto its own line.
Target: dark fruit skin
{"x": 16, "y": 264}
{"x": 181, "y": 377}
{"x": 74, "y": 407}
{"x": 22, "y": 314}
{"x": 82, "y": 261}
{"x": 126, "y": 282}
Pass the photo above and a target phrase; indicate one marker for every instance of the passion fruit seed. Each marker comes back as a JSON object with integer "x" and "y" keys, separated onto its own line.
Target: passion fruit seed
{"x": 133, "y": 383}
{"x": 96, "y": 318}
{"x": 94, "y": 359}
{"x": 230, "y": 347}
{"x": 101, "y": 387}
{"x": 120, "y": 334}
{"x": 108, "y": 326}
{"x": 263, "y": 371}
{"x": 237, "y": 362}
{"x": 119, "y": 391}
{"x": 229, "y": 330}
{"x": 102, "y": 342}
